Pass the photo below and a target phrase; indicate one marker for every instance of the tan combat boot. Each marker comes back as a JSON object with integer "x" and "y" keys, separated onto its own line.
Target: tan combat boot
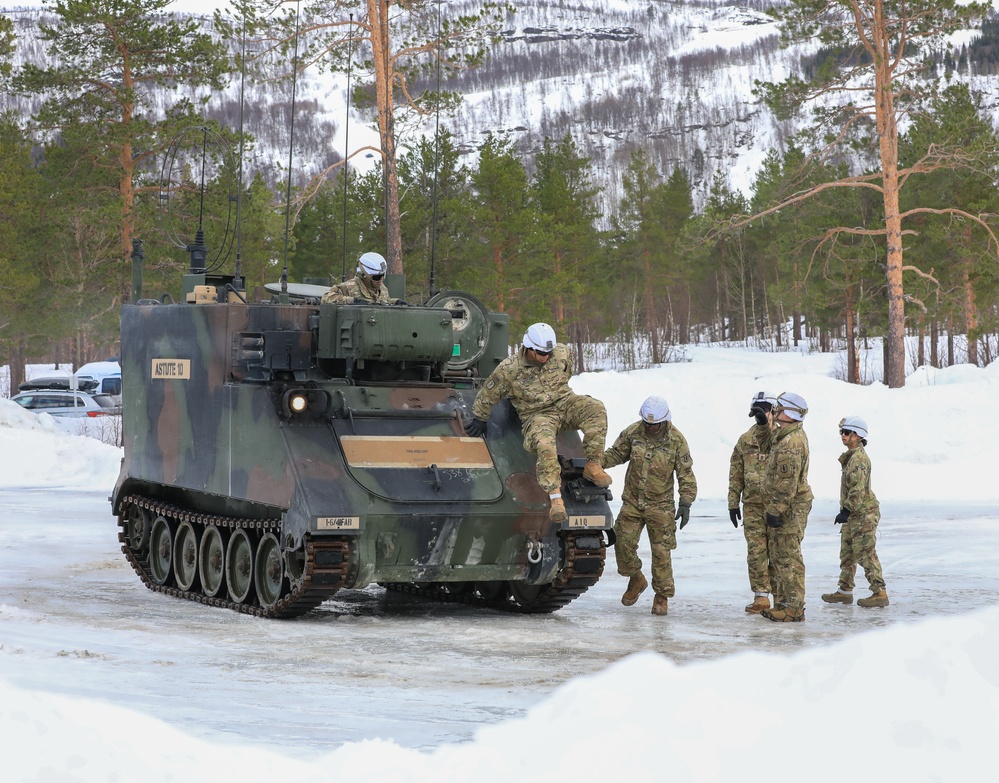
{"x": 557, "y": 512}
{"x": 760, "y": 603}
{"x": 880, "y": 598}
{"x": 636, "y": 586}
{"x": 839, "y": 597}
{"x": 594, "y": 473}
{"x": 660, "y": 605}
{"x": 784, "y": 614}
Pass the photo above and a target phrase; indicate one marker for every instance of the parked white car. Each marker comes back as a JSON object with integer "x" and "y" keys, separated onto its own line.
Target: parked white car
{"x": 64, "y": 403}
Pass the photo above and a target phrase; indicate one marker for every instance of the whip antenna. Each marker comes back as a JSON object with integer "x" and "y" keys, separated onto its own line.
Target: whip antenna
{"x": 437, "y": 142}
{"x": 346, "y": 151}
{"x": 237, "y": 281}
{"x": 291, "y": 151}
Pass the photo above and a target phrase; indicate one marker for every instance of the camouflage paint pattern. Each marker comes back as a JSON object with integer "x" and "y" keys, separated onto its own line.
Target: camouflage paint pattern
{"x": 859, "y": 533}
{"x": 746, "y": 479}
{"x": 207, "y": 427}
{"x": 789, "y": 497}
{"x": 653, "y": 460}
{"x": 541, "y": 396}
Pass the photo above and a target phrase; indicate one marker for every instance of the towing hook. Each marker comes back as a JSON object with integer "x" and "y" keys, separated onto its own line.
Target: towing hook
{"x": 534, "y": 549}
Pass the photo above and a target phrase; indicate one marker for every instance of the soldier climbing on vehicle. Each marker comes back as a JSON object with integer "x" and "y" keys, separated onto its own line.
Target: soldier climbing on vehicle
{"x": 536, "y": 380}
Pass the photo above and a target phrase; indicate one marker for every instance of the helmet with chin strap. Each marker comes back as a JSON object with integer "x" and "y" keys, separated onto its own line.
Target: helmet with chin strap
{"x": 540, "y": 337}
{"x": 854, "y": 424}
{"x": 792, "y": 405}
{"x": 655, "y": 410}
{"x": 371, "y": 264}
{"x": 762, "y": 399}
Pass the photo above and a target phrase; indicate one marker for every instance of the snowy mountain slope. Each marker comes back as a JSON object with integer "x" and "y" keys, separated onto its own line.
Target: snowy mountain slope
{"x": 675, "y": 78}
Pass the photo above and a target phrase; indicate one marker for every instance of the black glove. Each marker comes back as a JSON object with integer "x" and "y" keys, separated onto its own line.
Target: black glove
{"x": 476, "y": 428}
{"x": 759, "y": 413}
{"x": 402, "y": 302}
{"x": 359, "y": 300}
{"x": 735, "y": 515}
{"x": 774, "y": 521}
{"x": 683, "y": 514}
{"x": 842, "y": 516}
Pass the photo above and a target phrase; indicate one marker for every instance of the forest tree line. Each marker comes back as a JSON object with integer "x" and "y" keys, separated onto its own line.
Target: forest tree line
{"x": 654, "y": 275}
{"x": 522, "y": 233}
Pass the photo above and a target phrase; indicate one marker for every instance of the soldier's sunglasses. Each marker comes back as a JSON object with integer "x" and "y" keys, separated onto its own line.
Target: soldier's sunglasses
{"x": 542, "y": 353}
{"x": 376, "y": 278}
{"x": 846, "y": 432}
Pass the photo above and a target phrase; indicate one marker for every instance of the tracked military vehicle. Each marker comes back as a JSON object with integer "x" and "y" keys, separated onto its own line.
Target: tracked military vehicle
{"x": 277, "y": 452}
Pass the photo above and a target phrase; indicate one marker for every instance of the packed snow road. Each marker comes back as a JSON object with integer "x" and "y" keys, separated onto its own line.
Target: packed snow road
{"x": 75, "y": 619}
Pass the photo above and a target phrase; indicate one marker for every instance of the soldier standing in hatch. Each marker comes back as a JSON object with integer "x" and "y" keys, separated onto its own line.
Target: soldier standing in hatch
{"x": 655, "y": 450}
{"x": 366, "y": 285}
{"x": 859, "y": 515}
{"x": 536, "y": 379}
{"x": 746, "y": 476}
{"x": 788, "y": 501}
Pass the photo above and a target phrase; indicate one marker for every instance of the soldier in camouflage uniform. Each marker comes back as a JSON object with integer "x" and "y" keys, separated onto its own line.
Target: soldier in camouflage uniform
{"x": 859, "y": 515}
{"x": 746, "y": 474}
{"x": 536, "y": 379}
{"x": 655, "y": 450}
{"x": 366, "y": 286}
{"x": 788, "y": 501}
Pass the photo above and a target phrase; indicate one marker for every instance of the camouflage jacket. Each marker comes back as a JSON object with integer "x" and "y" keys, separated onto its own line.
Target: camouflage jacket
{"x": 747, "y": 471}
{"x": 532, "y": 388}
{"x": 786, "y": 480}
{"x": 349, "y": 290}
{"x": 855, "y": 486}
{"x": 652, "y": 461}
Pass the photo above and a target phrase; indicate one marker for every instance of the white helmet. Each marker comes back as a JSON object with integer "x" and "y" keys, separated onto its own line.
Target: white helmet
{"x": 854, "y": 424}
{"x": 371, "y": 264}
{"x": 540, "y": 337}
{"x": 655, "y": 410}
{"x": 766, "y": 398}
{"x": 792, "y": 405}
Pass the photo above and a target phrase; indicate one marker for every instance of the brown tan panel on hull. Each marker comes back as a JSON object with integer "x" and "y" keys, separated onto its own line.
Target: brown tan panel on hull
{"x": 389, "y": 451}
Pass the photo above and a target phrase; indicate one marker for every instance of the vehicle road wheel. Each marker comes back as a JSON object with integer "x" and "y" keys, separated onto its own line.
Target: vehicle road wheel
{"x": 239, "y": 566}
{"x": 525, "y": 595}
{"x": 490, "y": 591}
{"x": 160, "y": 551}
{"x": 268, "y": 571}
{"x": 211, "y": 561}
{"x": 185, "y": 556}
{"x": 137, "y": 530}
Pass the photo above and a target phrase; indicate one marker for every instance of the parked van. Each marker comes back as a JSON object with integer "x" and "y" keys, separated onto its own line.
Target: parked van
{"x": 106, "y": 374}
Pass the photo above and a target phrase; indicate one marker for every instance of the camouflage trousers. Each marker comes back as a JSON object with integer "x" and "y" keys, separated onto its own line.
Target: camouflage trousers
{"x": 754, "y": 527}
{"x": 856, "y": 547}
{"x": 540, "y": 431}
{"x": 784, "y": 551}
{"x": 661, "y": 527}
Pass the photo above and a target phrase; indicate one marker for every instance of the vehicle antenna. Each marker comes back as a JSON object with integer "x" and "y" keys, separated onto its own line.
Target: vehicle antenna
{"x": 237, "y": 281}
{"x": 346, "y": 152}
{"x": 291, "y": 151}
{"x": 437, "y": 138}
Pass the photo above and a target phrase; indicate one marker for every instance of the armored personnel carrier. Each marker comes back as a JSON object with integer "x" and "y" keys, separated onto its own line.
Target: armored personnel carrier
{"x": 277, "y": 452}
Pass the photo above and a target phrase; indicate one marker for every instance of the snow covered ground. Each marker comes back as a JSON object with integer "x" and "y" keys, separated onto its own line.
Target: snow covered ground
{"x": 102, "y": 680}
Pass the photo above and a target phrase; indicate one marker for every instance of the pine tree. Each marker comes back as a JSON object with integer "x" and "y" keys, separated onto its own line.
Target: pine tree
{"x": 873, "y": 75}
{"x": 390, "y": 45}
{"x": 109, "y": 62}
